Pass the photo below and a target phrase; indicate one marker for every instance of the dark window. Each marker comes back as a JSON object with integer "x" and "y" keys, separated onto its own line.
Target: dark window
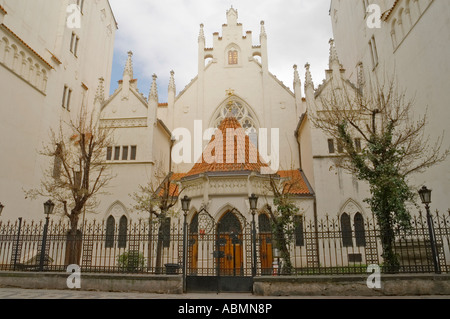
{"x": 331, "y": 146}
{"x": 360, "y": 233}
{"x": 346, "y": 231}
{"x": 299, "y": 234}
{"x": 133, "y": 153}
{"x": 125, "y": 153}
{"x": 123, "y": 229}
{"x": 117, "y": 153}
{"x": 64, "y": 96}
{"x": 264, "y": 224}
{"x": 165, "y": 232}
{"x": 109, "y": 153}
{"x": 358, "y": 145}
{"x": 110, "y": 225}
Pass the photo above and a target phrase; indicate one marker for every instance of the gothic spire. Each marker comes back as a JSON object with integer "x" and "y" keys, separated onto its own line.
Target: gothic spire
{"x": 172, "y": 86}
{"x": 100, "y": 93}
{"x": 308, "y": 78}
{"x": 334, "y": 59}
{"x": 201, "y": 36}
{"x": 129, "y": 66}
{"x": 263, "y": 33}
{"x": 154, "y": 90}
{"x": 296, "y": 75}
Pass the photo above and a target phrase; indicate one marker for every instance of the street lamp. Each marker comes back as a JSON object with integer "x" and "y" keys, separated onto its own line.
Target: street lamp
{"x": 425, "y": 196}
{"x": 1, "y": 208}
{"x": 253, "y": 200}
{"x": 185, "y": 206}
{"x": 48, "y": 210}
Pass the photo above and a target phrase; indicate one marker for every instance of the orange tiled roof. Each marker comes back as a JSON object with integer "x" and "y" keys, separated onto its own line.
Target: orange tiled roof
{"x": 296, "y": 184}
{"x": 388, "y": 13}
{"x": 173, "y": 187}
{"x": 3, "y": 9}
{"x": 221, "y": 165}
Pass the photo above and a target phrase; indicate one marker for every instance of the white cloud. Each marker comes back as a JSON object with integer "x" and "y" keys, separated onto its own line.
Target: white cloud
{"x": 163, "y": 36}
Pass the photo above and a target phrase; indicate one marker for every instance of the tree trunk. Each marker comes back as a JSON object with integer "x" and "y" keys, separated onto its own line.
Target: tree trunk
{"x": 391, "y": 263}
{"x": 74, "y": 241}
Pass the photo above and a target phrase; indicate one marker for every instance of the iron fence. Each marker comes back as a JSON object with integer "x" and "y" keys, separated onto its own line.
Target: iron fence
{"x": 330, "y": 246}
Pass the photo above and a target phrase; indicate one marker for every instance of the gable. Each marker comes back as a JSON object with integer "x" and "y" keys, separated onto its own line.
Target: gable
{"x": 132, "y": 105}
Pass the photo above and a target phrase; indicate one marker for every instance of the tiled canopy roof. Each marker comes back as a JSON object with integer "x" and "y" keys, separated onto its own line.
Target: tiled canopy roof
{"x": 237, "y": 149}
{"x": 296, "y": 183}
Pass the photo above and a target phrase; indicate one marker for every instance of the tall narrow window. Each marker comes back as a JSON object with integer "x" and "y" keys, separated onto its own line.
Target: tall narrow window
{"x": 346, "y": 230}
{"x": 67, "y": 96}
{"x": 331, "y": 146}
{"x": 358, "y": 145}
{"x": 233, "y": 57}
{"x": 374, "y": 52}
{"x": 299, "y": 235}
{"x": 110, "y": 225}
{"x": 125, "y": 153}
{"x": 165, "y": 232}
{"x": 117, "y": 153}
{"x": 133, "y": 153}
{"x": 80, "y": 4}
{"x": 123, "y": 229}
{"x": 109, "y": 153}
{"x": 74, "y": 43}
{"x": 360, "y": 233}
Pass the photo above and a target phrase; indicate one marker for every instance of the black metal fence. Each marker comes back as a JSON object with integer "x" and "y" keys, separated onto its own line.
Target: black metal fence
{"x": 331, "y": 246}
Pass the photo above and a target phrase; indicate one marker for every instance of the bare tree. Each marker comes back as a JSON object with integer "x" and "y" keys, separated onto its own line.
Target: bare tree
{"x": 158, "y": 198}
{"x": 78, "y": 173}
{"x": 381, "y": 144}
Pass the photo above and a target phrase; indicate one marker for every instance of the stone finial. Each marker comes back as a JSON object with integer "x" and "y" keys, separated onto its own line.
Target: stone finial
{"x": 296, "y": 75}
{"x": 263, "y": 30}
{"x": 129, "y": 66}
{"x": 100, "y": 93}
{"x": 172, "y": 86}
{"x": 201, "y": 36}
{"x": 154, "y": 89}
{"x": 308, "y": 77}
{"x": 333, "y": 54}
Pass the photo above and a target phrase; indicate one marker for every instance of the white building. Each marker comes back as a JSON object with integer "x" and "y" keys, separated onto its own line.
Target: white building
{"x": 50, "y": 62}
{"x": 233, "y": 76}
{"x": 410, "y": 42}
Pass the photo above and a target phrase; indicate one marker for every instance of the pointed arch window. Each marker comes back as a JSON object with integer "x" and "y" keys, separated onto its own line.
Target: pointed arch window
{"x": 233, "y": 57}
{"x": 346, "y": 231}
{"x": 360, "y": 233}
{"x": 264, "y": 224}
{"x": 123, "y": 229}
{"x": 110, "y": 228}
{"x": 244, "y": 117}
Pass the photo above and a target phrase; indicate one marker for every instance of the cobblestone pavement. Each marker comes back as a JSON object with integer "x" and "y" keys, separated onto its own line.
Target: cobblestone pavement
{"x": 14, "y": 293}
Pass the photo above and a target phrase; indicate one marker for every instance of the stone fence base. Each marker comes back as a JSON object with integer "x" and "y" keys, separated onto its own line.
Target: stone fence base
{"x": 95, "y": 282}
{"x": 391, "y": 285}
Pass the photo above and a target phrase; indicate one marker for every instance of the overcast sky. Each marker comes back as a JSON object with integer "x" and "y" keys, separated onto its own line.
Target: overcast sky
{"x": 163, "y": 36}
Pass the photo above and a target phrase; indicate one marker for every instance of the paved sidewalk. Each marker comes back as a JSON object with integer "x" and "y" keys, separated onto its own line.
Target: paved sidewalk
{"x": 14, "y": 293}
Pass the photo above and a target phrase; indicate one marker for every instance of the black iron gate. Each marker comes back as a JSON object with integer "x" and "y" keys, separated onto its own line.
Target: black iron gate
{"x": 219, "y": 255}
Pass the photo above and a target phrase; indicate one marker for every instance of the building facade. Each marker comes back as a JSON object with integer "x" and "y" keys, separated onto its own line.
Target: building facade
{"x": 406, "y": 44}
{"x": 51, "y": 57}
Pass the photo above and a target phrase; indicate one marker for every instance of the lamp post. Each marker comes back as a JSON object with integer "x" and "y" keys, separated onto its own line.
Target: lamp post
{"x": 425, "y": 196}
{"x": 185, "y": 206}
{"x": 48, "y": 210}
{"x": 253, "y": 200}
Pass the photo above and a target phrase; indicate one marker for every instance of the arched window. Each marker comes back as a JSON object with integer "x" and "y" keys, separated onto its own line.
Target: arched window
{"x": 110, "y": 225}
{"x": 264, "y": 224}
{"x": 360, "y": 233}
{"x": 233, "y": 57}
{"x": 123, "y": 229}
{"x": 244, "y": 117}
{"x": 346, "y": 230}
